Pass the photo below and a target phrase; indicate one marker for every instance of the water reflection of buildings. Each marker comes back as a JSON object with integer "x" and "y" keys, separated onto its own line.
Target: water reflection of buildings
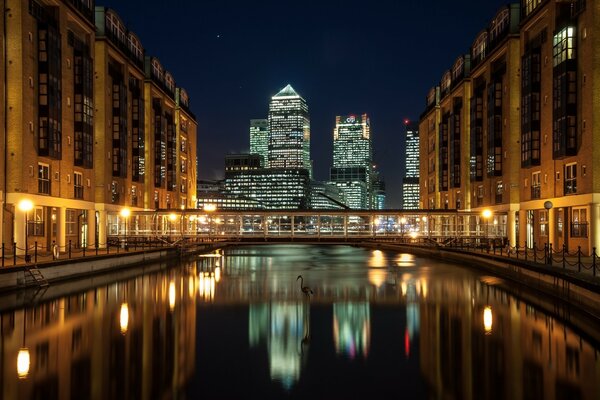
{"x": 284, "y": 327}
{"x": 352, "y": 329}
{"x": 132, "y": 339}
{"x": 483, "y": 343}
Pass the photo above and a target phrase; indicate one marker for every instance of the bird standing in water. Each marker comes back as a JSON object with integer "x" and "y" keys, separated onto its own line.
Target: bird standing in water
{"x": 305, "y": 289}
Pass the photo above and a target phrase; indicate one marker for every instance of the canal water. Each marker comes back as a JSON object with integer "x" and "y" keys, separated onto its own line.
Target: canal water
{"x": 237, "y": 324}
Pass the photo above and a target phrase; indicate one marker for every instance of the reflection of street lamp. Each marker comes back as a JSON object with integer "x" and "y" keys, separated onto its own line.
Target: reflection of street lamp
{"x": 23, "y": 358}
{"x": 25, "y": 206}
{"x": 548, "y": 205}
{"x": 125, "y": 213}
{"x": 124, "y": 318}
{"x": 487, "y": 320}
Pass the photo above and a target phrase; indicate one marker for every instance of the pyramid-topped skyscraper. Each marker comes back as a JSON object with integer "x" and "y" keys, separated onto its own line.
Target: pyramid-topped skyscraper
{"x": 289, "y": 131}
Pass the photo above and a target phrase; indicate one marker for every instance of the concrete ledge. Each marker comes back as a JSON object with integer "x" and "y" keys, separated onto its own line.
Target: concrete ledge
{"x": 13, "y": 278}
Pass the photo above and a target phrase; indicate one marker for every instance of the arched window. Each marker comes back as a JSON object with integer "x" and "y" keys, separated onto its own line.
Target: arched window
{"x": 431, "y": 97}
{"x": 458, "y": 68}
{"x": 115, "y": 26}
{"x": 183, "y": 97}
{"x": 157, "y": 69}
{"x": 480, "y": 45}
{"x": 169, "y": 81}
{"x": 499, "y": 24}
{"x": 135, "y": 46}
{"x": 446, "y": 81}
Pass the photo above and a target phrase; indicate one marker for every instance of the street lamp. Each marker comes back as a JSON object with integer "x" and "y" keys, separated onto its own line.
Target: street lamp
{"x": 548, "y": 205}
{"x": 25, "y": 206}
{"x": 209, "y": 208}
{"x": 172, "y": 218}
{"x": 125, "y": 213}
{"x": 486, "y": 214}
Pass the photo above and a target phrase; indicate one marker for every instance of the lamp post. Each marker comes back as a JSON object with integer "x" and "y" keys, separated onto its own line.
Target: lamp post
{"x": 486, "y": 214}
{"x": 209, "y": 208}
{"x": 25, "y": 206}
{"x": 125, "y": 213}
{"x": 548, "y": 205}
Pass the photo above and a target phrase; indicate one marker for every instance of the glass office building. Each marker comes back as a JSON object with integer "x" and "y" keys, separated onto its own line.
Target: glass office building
{"x": 410, "y": 181}
{"x": 352, "y": 160}
{"x": 289, "y": 131}
{"x": 259, "y": 139}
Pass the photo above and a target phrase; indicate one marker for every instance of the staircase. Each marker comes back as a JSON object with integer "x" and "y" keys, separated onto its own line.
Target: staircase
{"x": 35, "y": 275}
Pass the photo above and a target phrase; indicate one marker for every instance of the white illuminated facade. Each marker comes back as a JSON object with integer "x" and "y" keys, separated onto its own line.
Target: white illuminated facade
{"x": 410, "y": 182}
{"x": 352, "y": 160}
{"x": 289, "y": 131}
{"x": 259, "y": 139}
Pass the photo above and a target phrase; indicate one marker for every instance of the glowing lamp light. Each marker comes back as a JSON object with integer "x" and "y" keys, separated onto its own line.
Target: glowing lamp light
{"x": 125, "y": 212}
{"x": 402, "y": 220}
{"x": 486, "y": 213}
{"x": 25, "y": 205}
{"x": 23, "y": 361}
{"x": 172, "y": 216}
{"x": 210, "y": 207}
{"x": 487, "y": 320}
{"x": 124, "y": 318}
{"x": 413, "y": 234}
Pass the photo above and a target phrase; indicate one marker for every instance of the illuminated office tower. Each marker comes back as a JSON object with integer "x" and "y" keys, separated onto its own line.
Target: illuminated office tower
{"x": 289, "y": 131}
{"x": 259, "y": 139}
{"x": 352, "y": 159}
{"x": 410, "y": 181}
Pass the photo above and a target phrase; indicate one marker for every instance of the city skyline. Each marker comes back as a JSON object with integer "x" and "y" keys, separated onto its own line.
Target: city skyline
{"x": 231, "y": 66}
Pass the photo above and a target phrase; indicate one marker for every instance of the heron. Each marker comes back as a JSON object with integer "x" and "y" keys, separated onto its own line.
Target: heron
{"x": 305, "y": 289}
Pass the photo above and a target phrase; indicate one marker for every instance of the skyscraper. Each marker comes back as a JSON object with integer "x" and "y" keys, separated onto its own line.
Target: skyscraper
{"x": 259, "y": 139}
{"x": 410, "y": 181}
{"x": 352, "y": 159}
{"x": 289, "y": 131}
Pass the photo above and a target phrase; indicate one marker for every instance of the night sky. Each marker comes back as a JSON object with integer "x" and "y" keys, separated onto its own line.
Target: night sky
{"x": 380, "y": 57}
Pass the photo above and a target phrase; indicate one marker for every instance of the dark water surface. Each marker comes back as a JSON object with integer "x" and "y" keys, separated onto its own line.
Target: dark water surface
{"x": 379, "y": 324}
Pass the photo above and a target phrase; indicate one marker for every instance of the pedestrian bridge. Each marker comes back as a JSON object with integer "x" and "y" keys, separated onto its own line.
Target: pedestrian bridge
{"x": 183, "y": 226}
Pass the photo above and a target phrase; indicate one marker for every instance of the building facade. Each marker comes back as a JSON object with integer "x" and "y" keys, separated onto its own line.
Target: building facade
{"x": 522, "y": 112}
{"x": 410, "y": 181}
{"x": 78, "y": 126}
{"x": 353, "y": 159}
{"x": 289, "y": 131}
{"x": 259, "y": 139}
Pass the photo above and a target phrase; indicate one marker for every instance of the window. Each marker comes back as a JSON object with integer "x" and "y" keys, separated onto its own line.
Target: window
{"x": 479, "y": 195}
{"x": 71, "y": 222}
{"x": 169, "y": 82}
{"x": 183, "y": 145}
{"x": 499, "y": 24}
{"x": 543, "y": 223}
{"x": 157, "y": 70}
{"x": 183, "y": 165}
{"x": 78, "y": 185}
{"x": 499, "y": 190}
{"x": 564, "y": 110}
{"x": 114, "y": 191}
{"x": 570, "y": 183}
{"x": 579, "y": 222}
{"x": 529, "y": 5}
{"x": 43, "y": 178}
{"x": 83, "y": 107}
{"x": 135, "y": 47}
{"x": 156, "y": 200}
{"x": 535, "y": 185}
{"x": 476, "y": 151}
{"x": 134, "y": 196}
{"x": 183, "y": 185}
{"x": 458, "y": 68}
{"x": 35, "y": 222}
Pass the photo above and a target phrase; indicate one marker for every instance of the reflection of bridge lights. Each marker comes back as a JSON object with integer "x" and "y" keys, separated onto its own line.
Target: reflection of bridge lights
{"x": 172, "y": 298}
{"x": 206, "y": 285}
{"x": 423, "y": 287}
{"x": 487, "y": 320}
{"x": 405, "y": 260}
{"x": 403, "y": 287}
{"x": 413, "y": 234}
{"x": 377, "y": 259}
{"x": 352, "y": 328}
{"x": 124, "y": 318}
{"x": 377, "y": 277}
{"x": 217, "y": 274}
